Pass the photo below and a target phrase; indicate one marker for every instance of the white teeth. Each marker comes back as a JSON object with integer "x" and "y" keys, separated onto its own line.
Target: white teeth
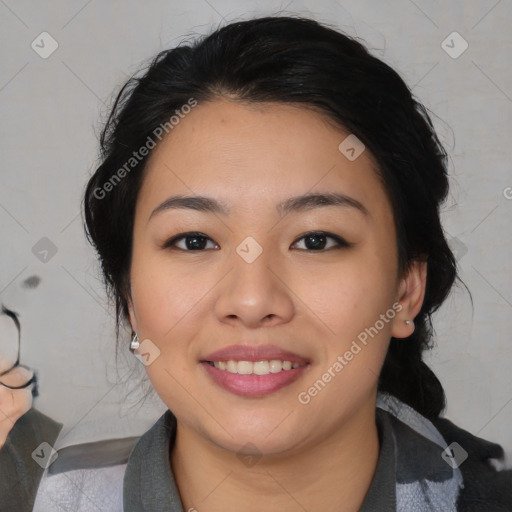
{"x": 256, "y": 368}
{"x": 232, "y": 367}
{"x": 261, "y": 367}
{"x": 245, "y": 367}
{"x": 275, "y": 366}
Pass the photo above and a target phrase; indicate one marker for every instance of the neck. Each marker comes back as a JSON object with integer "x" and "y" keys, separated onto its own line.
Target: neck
{"x": 332, "y": 474}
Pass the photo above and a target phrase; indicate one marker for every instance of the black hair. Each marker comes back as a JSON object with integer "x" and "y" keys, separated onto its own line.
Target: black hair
{"x": 299, "y": 61}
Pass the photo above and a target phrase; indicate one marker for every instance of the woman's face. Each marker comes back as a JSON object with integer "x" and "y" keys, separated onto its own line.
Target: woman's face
{"x": 255, "y": 286}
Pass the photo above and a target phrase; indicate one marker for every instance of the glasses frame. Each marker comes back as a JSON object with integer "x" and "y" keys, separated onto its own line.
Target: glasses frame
{"x": 14, "y": 318}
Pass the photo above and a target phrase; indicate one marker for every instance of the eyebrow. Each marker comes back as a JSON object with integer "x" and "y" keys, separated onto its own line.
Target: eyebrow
{"x": 292, "y": 204}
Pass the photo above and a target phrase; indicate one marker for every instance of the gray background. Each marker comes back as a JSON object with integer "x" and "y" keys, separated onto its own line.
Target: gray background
{"x": 51, "y": 112}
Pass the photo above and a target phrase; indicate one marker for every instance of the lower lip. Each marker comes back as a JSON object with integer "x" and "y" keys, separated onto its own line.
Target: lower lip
{"x": 253, "y": 385}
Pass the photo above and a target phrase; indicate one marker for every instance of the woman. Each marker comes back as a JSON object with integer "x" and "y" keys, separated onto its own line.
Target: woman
{"x": 266, "y": 214}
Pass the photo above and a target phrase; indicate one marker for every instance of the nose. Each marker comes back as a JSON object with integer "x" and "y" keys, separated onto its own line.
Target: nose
{"x": 255, "y": 294}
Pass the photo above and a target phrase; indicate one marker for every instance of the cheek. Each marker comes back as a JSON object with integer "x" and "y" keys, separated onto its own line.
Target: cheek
{"x": 350, "y": 296}
{"x": 162, "y": 293}
{"x": 169, "y": 312}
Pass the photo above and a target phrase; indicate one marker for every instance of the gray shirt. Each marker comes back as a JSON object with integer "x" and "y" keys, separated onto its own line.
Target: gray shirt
{"x": 149, "y": 484}
{"x": 416, "y": 470}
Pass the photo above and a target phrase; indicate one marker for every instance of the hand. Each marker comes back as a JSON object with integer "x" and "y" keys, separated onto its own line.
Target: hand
{"x": 14, "y": 403}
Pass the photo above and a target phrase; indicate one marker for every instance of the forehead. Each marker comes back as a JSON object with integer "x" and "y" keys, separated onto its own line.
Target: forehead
{"x": 248, "y": 154}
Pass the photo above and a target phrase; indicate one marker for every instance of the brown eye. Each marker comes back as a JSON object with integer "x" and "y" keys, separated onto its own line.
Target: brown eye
{"x": 314, "y": 241}
{"x": 192, "y": 242}
{"x": 318, "y": 240}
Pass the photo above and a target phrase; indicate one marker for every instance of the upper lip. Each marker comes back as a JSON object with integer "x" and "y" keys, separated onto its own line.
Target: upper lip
{"x": 254, "y": 353}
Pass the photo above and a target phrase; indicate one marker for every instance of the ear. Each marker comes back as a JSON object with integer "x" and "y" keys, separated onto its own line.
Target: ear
{"x": 411, "y": 293}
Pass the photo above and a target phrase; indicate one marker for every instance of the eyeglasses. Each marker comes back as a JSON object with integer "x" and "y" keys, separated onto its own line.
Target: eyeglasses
{"x": 16, "y": 376}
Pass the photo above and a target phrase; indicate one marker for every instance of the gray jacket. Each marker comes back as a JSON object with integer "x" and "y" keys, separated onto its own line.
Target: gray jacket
{"x": 423, "y": 466}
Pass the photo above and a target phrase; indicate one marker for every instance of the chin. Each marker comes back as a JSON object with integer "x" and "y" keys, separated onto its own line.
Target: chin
{"x": 264, "y": 437}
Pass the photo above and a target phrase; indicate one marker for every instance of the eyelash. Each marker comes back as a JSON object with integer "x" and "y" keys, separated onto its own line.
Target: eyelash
{"x": 170, "y": 244}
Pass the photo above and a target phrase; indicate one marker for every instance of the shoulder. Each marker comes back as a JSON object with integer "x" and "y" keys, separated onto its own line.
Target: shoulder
{"x": 485, "y": 488}
{"x": 85, "y": 477}
{"x": 162, "y": 433}
{"x": 149, "y": 480}
{"x": 471, "y": 460}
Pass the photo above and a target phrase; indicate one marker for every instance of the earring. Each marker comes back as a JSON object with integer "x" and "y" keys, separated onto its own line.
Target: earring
{"x": 407, "y": 322}
{"x": 135, "y": 342}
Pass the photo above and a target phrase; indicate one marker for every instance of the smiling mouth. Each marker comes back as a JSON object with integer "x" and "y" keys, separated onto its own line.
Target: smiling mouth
{"x": 254, "y": 378}
{"x": 264, "y": 367}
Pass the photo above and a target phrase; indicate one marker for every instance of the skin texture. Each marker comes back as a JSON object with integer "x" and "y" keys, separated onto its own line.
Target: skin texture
{"x": 14, "y": 403}
{"x": 312, "y": 302}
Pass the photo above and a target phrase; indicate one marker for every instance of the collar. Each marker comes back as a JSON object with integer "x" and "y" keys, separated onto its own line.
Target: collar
{"x": 149, "y": 484}
{"x": 411, "y": 473}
